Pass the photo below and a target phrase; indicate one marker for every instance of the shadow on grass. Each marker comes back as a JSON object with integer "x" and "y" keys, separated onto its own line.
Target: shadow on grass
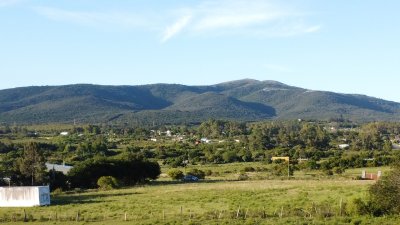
{"x": 84, "y": 198}
{"x": 171, "y": 182}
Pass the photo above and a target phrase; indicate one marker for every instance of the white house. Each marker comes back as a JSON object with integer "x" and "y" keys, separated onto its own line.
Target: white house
{"x": 343, "y": 146}
{"x": 24, "y": 196}
{"x": 64, "y": 133}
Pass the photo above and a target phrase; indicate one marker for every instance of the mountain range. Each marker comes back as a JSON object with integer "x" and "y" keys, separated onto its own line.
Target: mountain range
{"x": 243, "y": 100}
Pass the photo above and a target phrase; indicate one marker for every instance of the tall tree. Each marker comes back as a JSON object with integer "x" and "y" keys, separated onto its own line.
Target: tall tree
{"x": 32, "y": 163}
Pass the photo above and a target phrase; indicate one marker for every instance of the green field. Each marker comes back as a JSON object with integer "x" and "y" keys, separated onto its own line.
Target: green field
{"x": 319, "y": 201}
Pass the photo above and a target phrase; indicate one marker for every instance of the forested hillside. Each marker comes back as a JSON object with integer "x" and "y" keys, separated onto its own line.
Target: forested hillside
{"x": 244, "y": 100}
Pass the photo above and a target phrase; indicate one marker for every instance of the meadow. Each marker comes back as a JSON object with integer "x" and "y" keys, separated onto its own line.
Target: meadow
{"x": 301, "y": 200}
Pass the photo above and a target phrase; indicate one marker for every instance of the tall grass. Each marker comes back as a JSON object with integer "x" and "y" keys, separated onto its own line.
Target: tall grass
{"x": 211, "y": 202}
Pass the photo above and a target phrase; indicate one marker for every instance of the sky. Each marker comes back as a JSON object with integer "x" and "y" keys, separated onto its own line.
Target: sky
{"x": 342, "y": 46}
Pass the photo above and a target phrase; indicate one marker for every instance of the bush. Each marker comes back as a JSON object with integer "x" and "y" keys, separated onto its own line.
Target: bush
{"x": 328, "y": 172}
{"x": 58, "y": 180}
{"x": 282, "y": 169}
{"x": 57, "y": 191}
{"x": 338, "y": 170}
{"x": 175, "y": 174}
{"x": 384, "y": 196}
{"x": 248, "y": 169}
{"x": 197, "y": 173}
{"x": 208, "y": 173}
{"x": 243, "y": 176}
{"x": 107, "y": 183}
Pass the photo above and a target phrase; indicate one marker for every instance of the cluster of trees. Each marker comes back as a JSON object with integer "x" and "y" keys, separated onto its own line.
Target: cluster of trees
{"x": 127, "y": 171}
{"x": 317, "y": 142}
{"x": 27, "y": 167}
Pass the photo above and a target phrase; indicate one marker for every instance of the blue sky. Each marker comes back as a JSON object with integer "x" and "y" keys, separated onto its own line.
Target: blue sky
{"x": 342, "y": 46}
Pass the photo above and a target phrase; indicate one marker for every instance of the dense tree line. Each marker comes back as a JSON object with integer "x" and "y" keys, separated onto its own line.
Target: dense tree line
{"x": 27, "y": 167}
{"x": 314, "y": 142}
{"x": 127, "y": 171}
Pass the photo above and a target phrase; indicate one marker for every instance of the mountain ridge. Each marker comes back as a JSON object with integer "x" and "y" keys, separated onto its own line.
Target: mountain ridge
{"x": 244, "y": 100}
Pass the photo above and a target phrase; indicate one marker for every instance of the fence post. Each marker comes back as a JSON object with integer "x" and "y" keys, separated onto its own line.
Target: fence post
{"x": 181, "y": 212}
{"x": 25, "y": 217}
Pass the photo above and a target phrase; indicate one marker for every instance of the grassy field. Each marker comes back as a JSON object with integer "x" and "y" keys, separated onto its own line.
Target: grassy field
{"x": 323, "y": 201}
{"x": 231, "y": 171}
{"x": 310, "y": 197}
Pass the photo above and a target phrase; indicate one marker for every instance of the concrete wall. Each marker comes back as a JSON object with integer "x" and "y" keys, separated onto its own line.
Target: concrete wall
{"x": 24, "y": 196}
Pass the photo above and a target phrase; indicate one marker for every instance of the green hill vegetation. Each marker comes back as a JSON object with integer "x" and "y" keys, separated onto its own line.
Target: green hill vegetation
{"x": 244, "y": 100}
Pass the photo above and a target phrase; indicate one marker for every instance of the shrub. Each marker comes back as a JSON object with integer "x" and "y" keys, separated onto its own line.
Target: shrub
{"x": 107, "y": 183}
{"x": 384, "y": 196}
{"x": 57, "y": 191}
{"x": 243, "y": 176}
{"x": 328, "y": 172}
{"x": 282, "y": 169}
{"x": 338, "y": 170}
{"x": 248, "y": 169}
{"x": 197, "y": 173}
{"x": 175, "y": 174}
{"x": 208, "y": 172}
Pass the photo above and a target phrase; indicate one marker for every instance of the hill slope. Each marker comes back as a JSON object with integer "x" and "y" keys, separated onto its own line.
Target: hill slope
{"x": 246, "y": 100}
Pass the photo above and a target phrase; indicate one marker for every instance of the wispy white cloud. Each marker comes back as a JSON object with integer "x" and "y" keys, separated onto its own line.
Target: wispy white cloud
{"x": 255, "y": 18}
{"x": 261, "y": 18}
{"x": 277, "y": 68}
{"x": 119, "y": 19}
{"x": 175, "y": 28}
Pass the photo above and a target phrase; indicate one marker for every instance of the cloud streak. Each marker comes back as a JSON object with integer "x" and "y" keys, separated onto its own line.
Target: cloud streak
{"x": 255, "y": 18}
{"x": 175, "y": 28}
{"x": 244, "y": 18}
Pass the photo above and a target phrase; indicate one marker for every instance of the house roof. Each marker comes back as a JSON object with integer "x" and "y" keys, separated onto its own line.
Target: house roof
{"x": 61, "y": 168}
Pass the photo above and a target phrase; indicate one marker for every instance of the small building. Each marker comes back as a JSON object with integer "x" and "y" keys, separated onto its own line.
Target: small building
{"x": 24, "y": 196}
{"x": 370, "y": 176}
{"x": 64, "y": 133}
{"x": 57, "y": 167}
{"x": 344, "y": 146}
